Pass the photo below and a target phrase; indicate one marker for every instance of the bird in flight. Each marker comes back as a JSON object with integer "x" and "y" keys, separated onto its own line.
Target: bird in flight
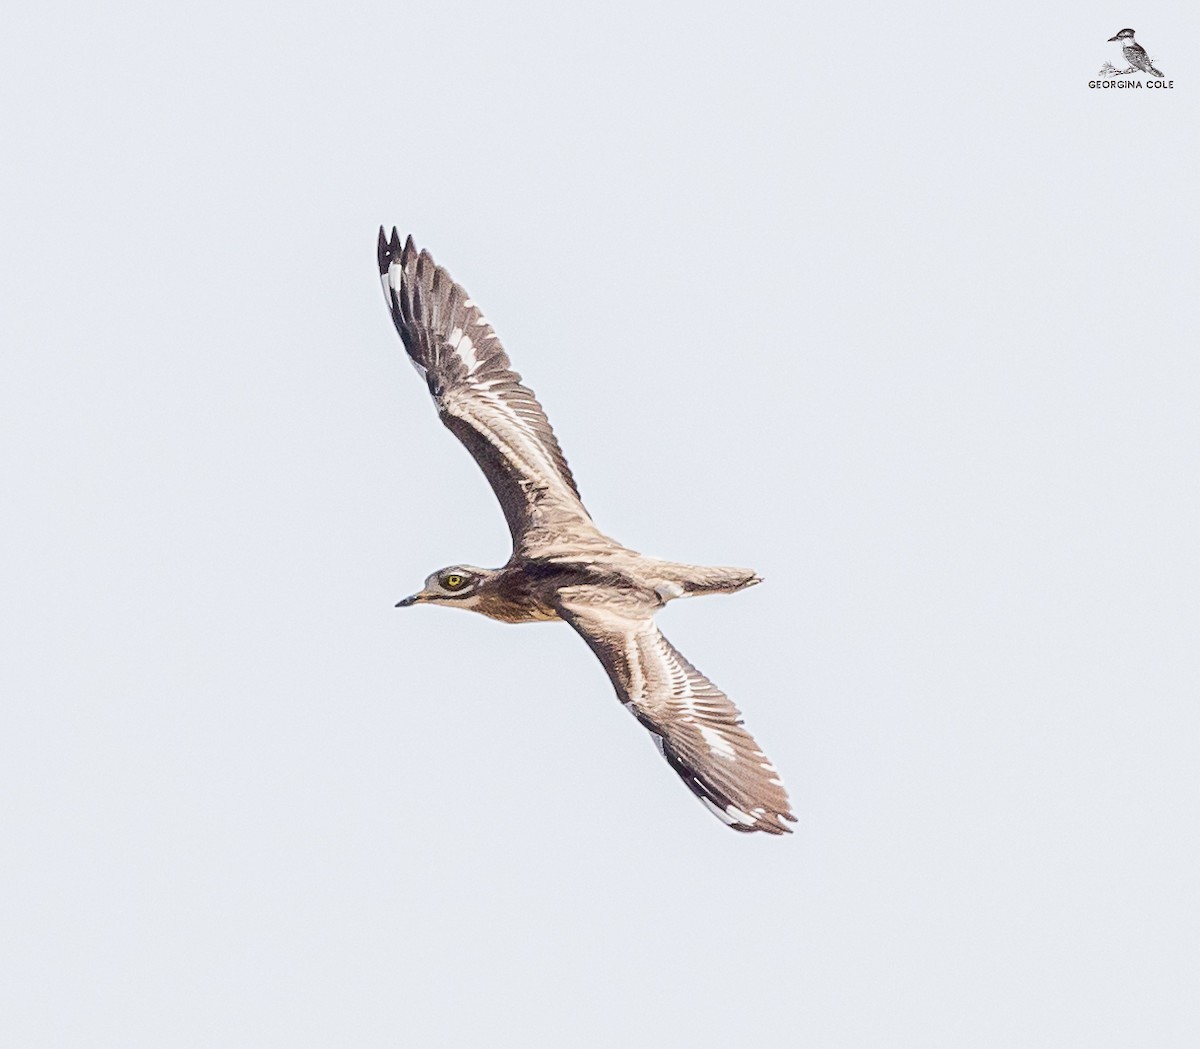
{"x": 562, "y": 566}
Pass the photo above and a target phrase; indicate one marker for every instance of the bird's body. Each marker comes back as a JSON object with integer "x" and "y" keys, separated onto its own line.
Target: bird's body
{"x": 526, "y": 590}
{"x": 1134, "y": 53}
{"x": 562, "y": 566}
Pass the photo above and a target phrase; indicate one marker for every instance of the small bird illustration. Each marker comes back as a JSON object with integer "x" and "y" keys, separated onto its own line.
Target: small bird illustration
{"x": 1134, "y": 53}
{"x": 562, "y": 566}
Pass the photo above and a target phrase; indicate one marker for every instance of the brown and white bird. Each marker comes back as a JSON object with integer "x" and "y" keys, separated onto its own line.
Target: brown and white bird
{"x": 562, "y": 566}
{"x": 1134, "y": 53}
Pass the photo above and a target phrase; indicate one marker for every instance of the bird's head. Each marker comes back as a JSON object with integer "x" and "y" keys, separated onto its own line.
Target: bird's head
{"x": 455, "y": 585}
{"x": 1124, "y": 34}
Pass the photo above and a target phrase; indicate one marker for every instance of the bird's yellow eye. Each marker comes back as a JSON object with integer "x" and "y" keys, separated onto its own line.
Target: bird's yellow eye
{"x": 453, "y": 581}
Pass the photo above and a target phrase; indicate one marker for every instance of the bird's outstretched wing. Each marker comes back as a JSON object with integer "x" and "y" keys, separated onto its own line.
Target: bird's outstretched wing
{"x": 692, "y": 722}
{"x": 482, "y": 401}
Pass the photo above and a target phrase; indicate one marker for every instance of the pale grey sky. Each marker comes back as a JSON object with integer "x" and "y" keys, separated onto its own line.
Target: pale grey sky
{"x": 880, "y": 300}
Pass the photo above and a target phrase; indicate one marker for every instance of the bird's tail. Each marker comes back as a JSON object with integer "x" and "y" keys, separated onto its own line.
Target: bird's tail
{"x": 695, "y": 580}
{"x": 1155, "y": 72}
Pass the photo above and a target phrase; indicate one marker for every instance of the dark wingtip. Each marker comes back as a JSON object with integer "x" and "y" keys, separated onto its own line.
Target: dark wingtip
{"x": 425, "y": 263}
{"x": 770, "y": 826}
{"x": 382, "y": 252}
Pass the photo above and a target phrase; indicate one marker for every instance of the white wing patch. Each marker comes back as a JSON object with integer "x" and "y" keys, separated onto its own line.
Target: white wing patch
{"x": 717, "y": 743}
{"x": 731, "y": 814}
{"x": 637, "y": 679}
{"x": 391, "y": 279}
{"x": 462, "y": 345}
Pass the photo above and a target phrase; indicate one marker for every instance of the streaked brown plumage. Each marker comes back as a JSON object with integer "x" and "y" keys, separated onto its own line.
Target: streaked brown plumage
{"x": 562, "y": 565}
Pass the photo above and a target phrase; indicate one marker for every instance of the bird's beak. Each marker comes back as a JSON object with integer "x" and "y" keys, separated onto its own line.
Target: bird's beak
{"x": 1111, "y": 39}
{"x": 413, "y": 600}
